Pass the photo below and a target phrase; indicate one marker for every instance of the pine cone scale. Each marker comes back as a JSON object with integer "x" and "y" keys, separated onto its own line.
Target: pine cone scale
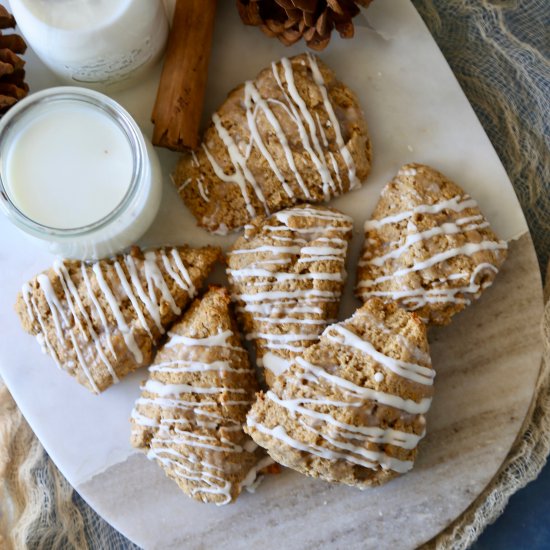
{"x": 286, "y": 4}
{"x": 335, "y": 6}
{"x": 12, "y": 75}
{"x": 312, "y": 20}
{"x": 306, "y": 5}
{"x": 345, "y": 29}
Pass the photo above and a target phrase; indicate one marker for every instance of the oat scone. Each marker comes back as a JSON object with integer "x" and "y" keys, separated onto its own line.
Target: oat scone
{"x": 99, "y": 321}
{"x": 351, "y": 409}
{"x": 191, "y": 412}
{"x": 428, "y": 246}
{"x": 286, "y": 274}
{"x": 293, "y": 134}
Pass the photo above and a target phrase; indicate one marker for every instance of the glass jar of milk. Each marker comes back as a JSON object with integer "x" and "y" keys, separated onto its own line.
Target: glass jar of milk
{"x": 101, "y": 44}
{"x": 76, "y": 173}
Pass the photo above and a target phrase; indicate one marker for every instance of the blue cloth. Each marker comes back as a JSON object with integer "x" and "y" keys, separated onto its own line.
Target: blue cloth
{"x": 525, "y": 523}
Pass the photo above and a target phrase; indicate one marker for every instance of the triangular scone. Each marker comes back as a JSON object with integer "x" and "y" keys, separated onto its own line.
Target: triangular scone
{"x": 287, "y": 274}
{"x": 99, "y": 321}
{"x": 428, "y": 246}
{"x": 294, "y": 134}
{"x": 351, "y": 409}
{"x": 191, "y": 412}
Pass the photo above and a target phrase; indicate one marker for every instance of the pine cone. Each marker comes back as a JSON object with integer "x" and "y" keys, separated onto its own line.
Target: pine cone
{"x": 290, "y": 20}
{"x": 12, "y": 75}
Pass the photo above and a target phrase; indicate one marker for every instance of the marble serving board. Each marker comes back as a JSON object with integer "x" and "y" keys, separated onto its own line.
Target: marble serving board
{"x": 487, "y": 361}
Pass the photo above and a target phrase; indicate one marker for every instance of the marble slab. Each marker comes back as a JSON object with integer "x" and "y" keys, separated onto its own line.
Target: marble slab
{"x": 487, "y": 363}
{"x": 487, "y": 360}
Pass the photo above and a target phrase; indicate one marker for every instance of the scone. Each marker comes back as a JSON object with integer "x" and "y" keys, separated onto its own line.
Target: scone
{"x": 192, "y": 408}
{"x": 293, "y": 134}
{"x": 99, "y": 321}
{"x": 351, "y": 409}
{"x": 428, "y": 246}
{"x": 286, "y": 274}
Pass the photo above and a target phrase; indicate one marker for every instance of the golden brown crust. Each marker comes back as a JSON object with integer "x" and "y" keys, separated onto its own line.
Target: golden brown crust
{"x": 192, "y": 407}
{"x": 315, "y": 419}
{"x": 101, "y": 321}
{"x": 428, "y": 246}
{"x": 287, "y": 274}
{"x": 318, "y": 158}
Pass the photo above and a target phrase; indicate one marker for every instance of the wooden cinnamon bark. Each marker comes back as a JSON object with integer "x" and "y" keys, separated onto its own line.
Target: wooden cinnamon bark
{"x": 180, "y": 97}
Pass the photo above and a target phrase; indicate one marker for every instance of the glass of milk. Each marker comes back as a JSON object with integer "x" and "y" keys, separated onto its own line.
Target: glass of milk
{"x": 76, "y": 173}
{"x": 101, "y": 44}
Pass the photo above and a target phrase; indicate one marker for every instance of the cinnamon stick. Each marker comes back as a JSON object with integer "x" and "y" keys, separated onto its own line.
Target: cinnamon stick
{"x": 180, "y": 96}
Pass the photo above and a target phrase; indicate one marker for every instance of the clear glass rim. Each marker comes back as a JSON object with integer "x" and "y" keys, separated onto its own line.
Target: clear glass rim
{"x": 72, "y": 94}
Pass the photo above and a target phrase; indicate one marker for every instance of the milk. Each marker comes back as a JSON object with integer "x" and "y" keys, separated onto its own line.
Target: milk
{"x": 76, "y": 173}
{"x": 75, "y": 14}
{"x": 69, "y": 167}
{"x": 100, "y": 44}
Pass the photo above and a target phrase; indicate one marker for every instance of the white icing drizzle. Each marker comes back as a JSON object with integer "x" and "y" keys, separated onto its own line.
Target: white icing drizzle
{"x": 98, "y": 309}
{"x": 83, "y": 329}
{"x": 57, "y": 310}
{"x": 61, "y": 321}
{"x": 252, "y": 96}
{"x": 299, "y": 107}
{"x": 416, "y": 298}
{"x": 155, "y": 280}
{"x": 274, "y": 320}
{"x": 182, "y": 467}
{"x": 188, "y": 284}
{"x": 257, "y": 272}
{"x": 194, "y": 366}
{"x": 311, "y": 134}
{"x": 239, "y": 162}
{"x": 165, "y": 390}
{"x": 219, "y": 340}
{"x": 122, "y": 326}
{"x": 130, "y": 293}
{"x": 355, "y": 454}
{"x": 274, "y": 363}
{"x": 456, "y": 204}
{"x": 415, "y": 351}
{"x": 184, "y": 184}
{"x": 264, "y": 293}
{"x": 237, "y": 177}
{"x": 467, "y": 249}
{"x": 372, "y": 434}
{"x": 360, "y": 393}
{"x": 336, "y": 169}
{"x": 343, "y": 336}
{"x": 150, "y": 302}
{"x": 284, "y": 217}
{"x": 34, "y": 315}
{"x": 419, "y": 297}
{"x": 197, "y": 426}
{"x": 71, "y": 293}
{"x": 397, "y": 250}
{"x": 344, "y": 151}
{"x": 253, "y": 479}
{"x": 407, "y": 172}
{"x": 303, "y": 397}
{"x": 321, "y": 130}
